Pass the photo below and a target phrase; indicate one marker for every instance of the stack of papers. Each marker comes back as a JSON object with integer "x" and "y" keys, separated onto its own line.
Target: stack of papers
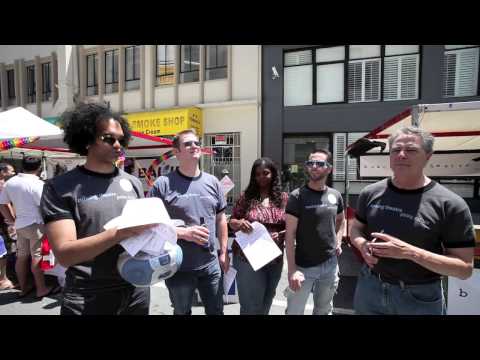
{"x": 144, "y": 212}
{"x": 258, "y": 246}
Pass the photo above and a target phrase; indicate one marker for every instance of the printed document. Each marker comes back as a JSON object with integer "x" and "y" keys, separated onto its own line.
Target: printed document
{"x": 143, "y": 212}
{"x": 258, "y": 246}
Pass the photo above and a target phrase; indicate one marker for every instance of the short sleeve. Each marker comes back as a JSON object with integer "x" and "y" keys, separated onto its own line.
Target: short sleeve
{"x": 459, "y": 231}
{"x": 293, "y": 204}
{"x": 340, "y": 206}
{"x": 137, "y": 185}
{"x": 360, "y": 214}
{"x": 222, "y": 201}
{"x": 53, "y": 207}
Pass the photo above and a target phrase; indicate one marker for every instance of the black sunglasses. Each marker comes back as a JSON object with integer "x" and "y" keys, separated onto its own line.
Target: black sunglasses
{"x": 320, "y": 164}
{"x": 191, "y": 142}
{"x": 111, "y": 140}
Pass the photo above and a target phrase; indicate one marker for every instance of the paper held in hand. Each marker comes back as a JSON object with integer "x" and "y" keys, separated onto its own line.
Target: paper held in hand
{"x": 144, "y": 212}
{"x": 258, "y": 246}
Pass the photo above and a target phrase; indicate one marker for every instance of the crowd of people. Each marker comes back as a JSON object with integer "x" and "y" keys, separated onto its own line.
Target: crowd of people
{"x": 409, "y": 229}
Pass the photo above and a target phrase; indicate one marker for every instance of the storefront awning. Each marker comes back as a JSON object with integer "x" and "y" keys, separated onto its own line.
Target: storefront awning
{"x": 166, "y": 122}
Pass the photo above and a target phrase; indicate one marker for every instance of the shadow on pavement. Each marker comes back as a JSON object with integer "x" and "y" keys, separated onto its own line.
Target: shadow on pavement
{"x": 55, "y": 304}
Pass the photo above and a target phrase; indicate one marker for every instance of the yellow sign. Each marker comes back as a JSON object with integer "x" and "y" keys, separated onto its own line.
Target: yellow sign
{"x": 166, "y": 122}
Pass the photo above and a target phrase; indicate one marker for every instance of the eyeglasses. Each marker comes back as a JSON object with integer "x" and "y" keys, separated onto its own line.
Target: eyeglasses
{"x": 111, "y": 140}
{"x": 191, "y": 142}
{"x": 320, "y": 164}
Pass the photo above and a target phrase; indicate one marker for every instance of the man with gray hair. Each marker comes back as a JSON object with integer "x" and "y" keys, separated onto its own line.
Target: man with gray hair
{"x": 411, "y": 231}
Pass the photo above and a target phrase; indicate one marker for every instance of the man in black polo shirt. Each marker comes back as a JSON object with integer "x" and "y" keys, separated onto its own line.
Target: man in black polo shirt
{"x": 315, "y": 219}
{"x": 410, "y": 231}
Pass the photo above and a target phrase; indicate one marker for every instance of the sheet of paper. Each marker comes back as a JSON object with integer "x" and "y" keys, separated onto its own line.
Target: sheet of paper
{"x": 151, "y": 241}
{"x": 228, "y": 278}
{"x": 464, "y": 295}
{"x": 141, "y": 212}
{"x": 258, "y": 246}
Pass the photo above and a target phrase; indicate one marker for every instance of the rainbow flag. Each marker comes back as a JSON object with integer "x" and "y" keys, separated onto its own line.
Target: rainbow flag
{"x": 11, "y": 143}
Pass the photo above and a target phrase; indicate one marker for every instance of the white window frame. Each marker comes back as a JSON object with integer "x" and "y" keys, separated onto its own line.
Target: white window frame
{"x": 363, "y": 86}
{"x": 307, "y": 65}
{"x": 400, "y": 65}
{"x": 458, "y": 51}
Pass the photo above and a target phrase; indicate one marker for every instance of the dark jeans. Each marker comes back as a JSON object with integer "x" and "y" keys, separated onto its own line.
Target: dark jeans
{"x": 126, "y": 301}
{"x": 182, "y": 285}
{"x": 376, "y": 297}
{"x": 256, "y": 289}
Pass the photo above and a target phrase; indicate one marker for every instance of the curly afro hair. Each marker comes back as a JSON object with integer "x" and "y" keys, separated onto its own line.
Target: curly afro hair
{"x": 81, "y": 124}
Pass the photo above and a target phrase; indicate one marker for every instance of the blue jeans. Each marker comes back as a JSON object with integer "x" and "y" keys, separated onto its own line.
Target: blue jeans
{"x": 376, "y": 297}
{"x": 182, "y": 285}
{"x": 256, "y": 289}
{"x": 322, "y": 280}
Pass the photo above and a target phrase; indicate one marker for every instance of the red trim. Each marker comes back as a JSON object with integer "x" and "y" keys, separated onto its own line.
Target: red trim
{"x": 148, "y": 147}
{"x": 151, "y": 137}
{"x": 456, "y": 133}
{"x": 373, "y": 134}
{"x": 440, "y": 134}
{"x": 44, "y": 148}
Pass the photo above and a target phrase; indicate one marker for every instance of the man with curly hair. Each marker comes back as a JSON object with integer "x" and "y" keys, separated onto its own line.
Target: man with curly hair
{"x": 76, "y": 205}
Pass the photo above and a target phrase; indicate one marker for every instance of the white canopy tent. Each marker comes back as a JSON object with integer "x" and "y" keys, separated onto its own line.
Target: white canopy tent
{"x": 18, "y": 123}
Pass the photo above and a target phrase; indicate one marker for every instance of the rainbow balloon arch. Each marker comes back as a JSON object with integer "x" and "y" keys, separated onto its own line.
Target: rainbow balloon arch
{"x": 8, "y": 144}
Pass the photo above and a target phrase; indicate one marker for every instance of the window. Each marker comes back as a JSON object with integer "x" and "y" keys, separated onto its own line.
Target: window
{"x": 298, "y": 75}
{"x": 11, "y": 87}
{"x": 340, "y": 143}
{"x": 460, "y": 70}
{"x": 190, "y": 63}
{"x": 295, "y": 151}
{"x": 226, "y": 156}
{"x": 364, "y": 73}
{"x": 92, "y": 82}
{"x": 351, "y": 74}
{"x": 132, "y": 67}
{"x": 400, "y": 78}
{"x": 330, "y": 74}
{"x": 165, "y": 64}
{"x": 111, "y": 71}
{"x": 46, "y": 82}
{"x": 31, "y": 84}
{"x": 216, "y": 64}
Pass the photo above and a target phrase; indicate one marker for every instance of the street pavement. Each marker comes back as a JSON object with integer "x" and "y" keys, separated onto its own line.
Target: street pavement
{"x": 160, "y": 302}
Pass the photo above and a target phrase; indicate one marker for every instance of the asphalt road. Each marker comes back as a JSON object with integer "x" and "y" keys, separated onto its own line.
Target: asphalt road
{"x": 160, "y": 302}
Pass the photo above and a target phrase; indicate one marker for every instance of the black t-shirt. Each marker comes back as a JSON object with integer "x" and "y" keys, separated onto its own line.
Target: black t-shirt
{"x": 90, "y": 199}
{"x": 431, "y": 218}
{"x": 316, "y": 212}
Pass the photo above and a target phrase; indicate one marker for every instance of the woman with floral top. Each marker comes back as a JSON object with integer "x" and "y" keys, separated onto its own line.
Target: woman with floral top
{"x": 263, "y": 202}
